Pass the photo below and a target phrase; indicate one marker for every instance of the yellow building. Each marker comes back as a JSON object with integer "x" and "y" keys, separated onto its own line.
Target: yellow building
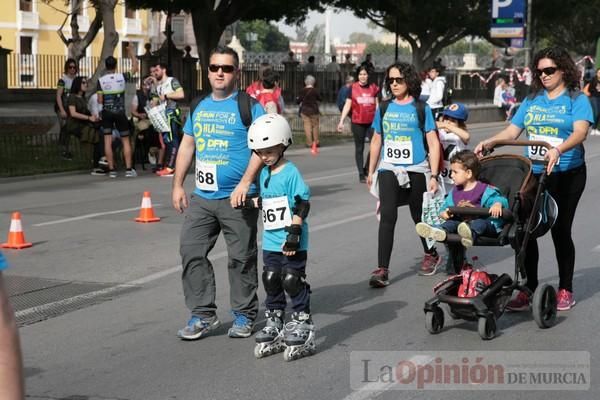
{"x": 29, "y": 28}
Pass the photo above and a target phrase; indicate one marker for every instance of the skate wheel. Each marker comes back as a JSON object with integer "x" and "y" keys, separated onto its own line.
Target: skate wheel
{"x": 543, "y": 306}
{"x": 257, "y": 352}
{"x": 287, "y": 354}
{"x": 434, "y": 320}
{"x": 487, "y": 327}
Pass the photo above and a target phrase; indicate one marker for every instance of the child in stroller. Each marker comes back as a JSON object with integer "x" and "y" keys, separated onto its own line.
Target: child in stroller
{"x": 468, "y": 192}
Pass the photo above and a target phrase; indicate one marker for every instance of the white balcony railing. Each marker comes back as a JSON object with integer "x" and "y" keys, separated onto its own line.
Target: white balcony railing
{"x": 133, "y": 26}
{"x": 28, "y": 20}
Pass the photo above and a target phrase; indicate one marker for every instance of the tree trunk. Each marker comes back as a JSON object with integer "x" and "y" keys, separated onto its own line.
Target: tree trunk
{"x": 106, "y": 9}
{"x": 207, "y": 31}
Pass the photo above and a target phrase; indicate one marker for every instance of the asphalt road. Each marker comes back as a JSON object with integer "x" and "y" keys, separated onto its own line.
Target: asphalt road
{"x": 126, "y": 348}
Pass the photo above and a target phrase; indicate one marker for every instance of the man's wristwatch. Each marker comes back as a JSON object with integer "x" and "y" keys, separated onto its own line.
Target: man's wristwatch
{"x": 435, "y": 176}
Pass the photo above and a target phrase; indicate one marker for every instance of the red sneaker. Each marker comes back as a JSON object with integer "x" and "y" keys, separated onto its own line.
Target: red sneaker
{"x": 379, "y": 278}
{"x": 166, "y": 172}
{"x": 519, "y": 303}
{"x": 564, "y": 300}
{"x": 430, "y": 264}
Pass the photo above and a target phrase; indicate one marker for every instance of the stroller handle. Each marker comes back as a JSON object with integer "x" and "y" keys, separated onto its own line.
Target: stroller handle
{"x": 489, "y": 148}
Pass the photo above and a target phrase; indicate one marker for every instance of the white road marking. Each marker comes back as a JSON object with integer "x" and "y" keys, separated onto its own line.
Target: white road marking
{"x": 158, "y": 275}
{"x": 100, "y": 214}
{"x": 87, "y": 216}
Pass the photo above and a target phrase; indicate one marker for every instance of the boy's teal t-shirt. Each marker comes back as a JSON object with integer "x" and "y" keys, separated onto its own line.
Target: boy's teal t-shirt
{"x": 278, "y": 192}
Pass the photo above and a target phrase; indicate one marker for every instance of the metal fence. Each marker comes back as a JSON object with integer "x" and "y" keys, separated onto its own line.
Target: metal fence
{"x": 42, "y": 71}
{"x": 37, "y": 154}
{"x": 31, "y": 154}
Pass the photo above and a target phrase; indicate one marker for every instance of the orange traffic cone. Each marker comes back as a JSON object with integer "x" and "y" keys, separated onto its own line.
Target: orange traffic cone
{"x": 147, "y": 212}
{"x": 16, "y": 237}
{"x": 314, "y": 150}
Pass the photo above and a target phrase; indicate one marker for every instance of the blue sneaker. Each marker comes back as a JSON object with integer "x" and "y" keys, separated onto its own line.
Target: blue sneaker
{"x": 198, "y": 327}
{"x": 242, "y": 326}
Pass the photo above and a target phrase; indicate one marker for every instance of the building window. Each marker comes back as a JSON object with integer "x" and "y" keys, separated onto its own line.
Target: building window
{"x": 26, "y": 44}
{"x": 26, "y": 5}
{"x": 129, "y": 12}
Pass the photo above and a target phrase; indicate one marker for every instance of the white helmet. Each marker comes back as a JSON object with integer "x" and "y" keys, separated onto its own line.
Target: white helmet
{"x": 269, "y": 130}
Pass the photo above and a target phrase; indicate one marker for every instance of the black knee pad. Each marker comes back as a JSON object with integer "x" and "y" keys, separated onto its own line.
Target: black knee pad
{"x": 272, "y": 281}
{"x": 293, "y": 282}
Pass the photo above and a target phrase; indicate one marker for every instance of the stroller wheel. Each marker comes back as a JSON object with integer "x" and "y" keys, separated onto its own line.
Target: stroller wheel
{"x": 487, "y": 327}
{"x": 544, "y": 306}
{"x": 434, "y": 320}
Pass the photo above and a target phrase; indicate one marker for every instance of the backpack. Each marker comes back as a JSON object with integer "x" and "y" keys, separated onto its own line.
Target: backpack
{"x": 342, "y": 96}
{"x": 245, "y": 104}
{"x": 474, "y": 281}
{"x": 420, "y": 106}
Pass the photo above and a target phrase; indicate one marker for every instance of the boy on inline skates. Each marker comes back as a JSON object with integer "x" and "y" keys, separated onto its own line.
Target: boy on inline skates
{"x": 284, "y": 200}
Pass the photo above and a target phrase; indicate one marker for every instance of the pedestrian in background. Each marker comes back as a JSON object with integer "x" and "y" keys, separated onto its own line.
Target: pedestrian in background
{"x": 63, "y": 88}
{"x": 308, "y": 100}
{"x": 362, "y": 102}
{"x": 80, "y": 122}
{"x": 592, "y": 90}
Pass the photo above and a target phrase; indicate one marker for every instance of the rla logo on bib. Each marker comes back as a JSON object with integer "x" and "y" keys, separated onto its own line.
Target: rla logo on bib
{"x": 200, "y": 142}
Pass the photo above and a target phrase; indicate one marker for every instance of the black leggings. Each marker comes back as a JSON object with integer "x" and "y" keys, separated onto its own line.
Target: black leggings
{"x": 566, "y": 188}
{"x": 360, "y": 132}
{"x": 392, "y": 196}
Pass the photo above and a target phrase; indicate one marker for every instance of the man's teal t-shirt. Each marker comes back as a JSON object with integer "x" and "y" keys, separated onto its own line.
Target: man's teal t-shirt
{"x": 222, "y": 152}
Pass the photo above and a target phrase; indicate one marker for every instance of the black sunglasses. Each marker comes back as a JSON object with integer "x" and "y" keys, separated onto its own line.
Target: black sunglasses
{"x": 547, "y": 71}
{"x": 72, "y": 67}
{"x": 398, "y": 80}
{"x": 228, "y": 69}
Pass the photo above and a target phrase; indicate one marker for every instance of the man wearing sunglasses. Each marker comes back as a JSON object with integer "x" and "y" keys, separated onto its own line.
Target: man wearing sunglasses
{"x": 215, "y": 133}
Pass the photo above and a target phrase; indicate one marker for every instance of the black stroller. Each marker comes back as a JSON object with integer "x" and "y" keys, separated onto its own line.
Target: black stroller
{"x": 525, "y": 220}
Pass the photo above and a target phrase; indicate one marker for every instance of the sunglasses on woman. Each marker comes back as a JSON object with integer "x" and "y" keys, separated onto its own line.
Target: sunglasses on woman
{"x": 546, "y": 71}
{"x": 397, "y": 80}
{"x": 227, "y": 69}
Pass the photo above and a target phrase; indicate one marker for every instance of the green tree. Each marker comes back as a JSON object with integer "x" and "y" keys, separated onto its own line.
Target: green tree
{"x": 572, "y": 24}
{"x": 259, "y": 35}
{"x": 211, "y": 17}
{"x": 360, "y": 37}
{"x": 426, "y": 25}
{"x": 378, "y": 48}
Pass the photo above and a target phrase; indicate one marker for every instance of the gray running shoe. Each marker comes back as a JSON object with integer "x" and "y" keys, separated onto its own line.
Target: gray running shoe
{"x": 112, "y": 174}
{"x": 130, "y": 173}
{"x": 242, "y": 326}
{"x": 197, "y": 327}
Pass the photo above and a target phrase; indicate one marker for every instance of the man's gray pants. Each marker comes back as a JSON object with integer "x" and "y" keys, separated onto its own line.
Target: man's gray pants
{"x": 204, "y": 220}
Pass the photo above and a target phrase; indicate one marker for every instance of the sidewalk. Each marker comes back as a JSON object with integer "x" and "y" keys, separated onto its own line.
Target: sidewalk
{"x": 43, "y": 113}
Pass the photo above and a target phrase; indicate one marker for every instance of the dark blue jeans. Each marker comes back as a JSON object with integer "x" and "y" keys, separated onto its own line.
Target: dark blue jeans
{"x": 478, "y": 227}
